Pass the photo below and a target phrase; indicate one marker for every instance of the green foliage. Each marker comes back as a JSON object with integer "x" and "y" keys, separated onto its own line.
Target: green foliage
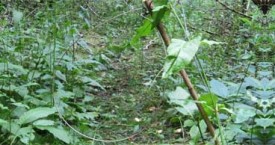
{"x": 73, "y": 60}
{"x": 209, "y": 103}
{"x": 57, "y": 132}
{"x": 35, "y": 114}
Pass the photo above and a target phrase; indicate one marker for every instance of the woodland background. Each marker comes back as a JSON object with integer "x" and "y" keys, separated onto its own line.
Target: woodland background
{"x": 83, "y": 72}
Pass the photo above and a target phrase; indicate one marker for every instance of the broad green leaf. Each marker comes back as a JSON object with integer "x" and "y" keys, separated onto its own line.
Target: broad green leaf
{"x": 203, "y": 126}
{"x": 219, "y": 88}
{"x": 265, "y": 122}
{"x": 158, "y": 14}
{"x": 11, "y": 126}
{"x": 209, "y": 102}
{"x": 26, "y": 139}
{"x": 35, "y": 114}
{"x": 59, "y": 133}
{"x": 60, "y": 75}
{"x": 144, "y": 30}
{"x": 181, "y": 97}
{"x": 250, "y": 81}
{"x": 151, "y": 22}
{"x": 26, "y": 134}
{"x": 180, "y": 54}
{"x": 63, "y": 94}
{"x": 22, "y": 91}
{"x": 194, "y": 133}
{"x": 24, "y": 131}
{"x": 178, "y": 96}
{"x": 91, "y": 82}
{"x": 243, "y": 115}
{"x": 43, "y": 123}
{"x": 189, "y": 123}
{"x": 187, "y": 108}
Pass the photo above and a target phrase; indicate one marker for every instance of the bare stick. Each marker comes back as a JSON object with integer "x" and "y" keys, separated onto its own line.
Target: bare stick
{"x": 185, "y": 77}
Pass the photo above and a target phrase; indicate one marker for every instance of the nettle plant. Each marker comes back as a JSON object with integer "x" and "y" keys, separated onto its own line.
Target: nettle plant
{"x": 42, "y": 75}
{"x": 242, "y": 112}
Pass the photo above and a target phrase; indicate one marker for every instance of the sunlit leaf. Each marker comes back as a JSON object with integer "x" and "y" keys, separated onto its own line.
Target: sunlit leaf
{"x": 180, "y": 54}
{"x": 209, "y": 102}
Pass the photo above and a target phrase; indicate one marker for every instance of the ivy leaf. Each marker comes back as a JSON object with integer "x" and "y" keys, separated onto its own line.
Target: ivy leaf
{"x": 244, "y": 114}
{"x": 180, "y": 54}
{"x": 219, "y": 88}
{"x": 35, "y": 114}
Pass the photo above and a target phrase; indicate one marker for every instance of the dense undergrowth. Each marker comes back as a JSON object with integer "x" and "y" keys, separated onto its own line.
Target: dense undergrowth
{"x": 70, "y": 76}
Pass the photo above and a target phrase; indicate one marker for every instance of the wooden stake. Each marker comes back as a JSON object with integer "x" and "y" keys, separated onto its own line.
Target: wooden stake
{"x": 184, "y": 75}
